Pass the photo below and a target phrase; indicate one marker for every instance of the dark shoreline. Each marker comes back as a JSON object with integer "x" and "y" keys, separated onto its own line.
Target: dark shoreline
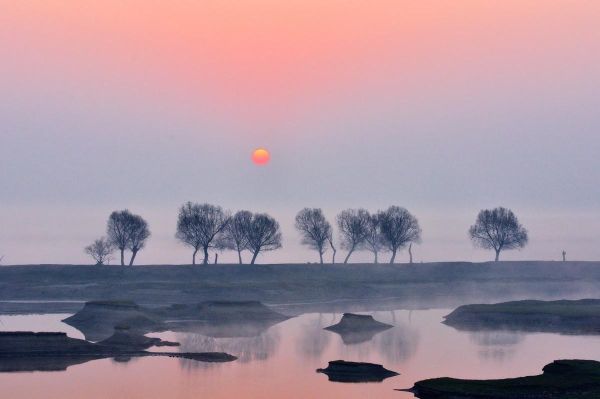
{"x": 297, "y": 288}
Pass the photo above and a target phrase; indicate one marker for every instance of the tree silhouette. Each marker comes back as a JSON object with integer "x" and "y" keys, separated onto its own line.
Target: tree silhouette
{"x": 398, "y": 229}
{"x": 353, "y": 227}
{"x": 199, "y": 226}
{"x": 100, "y": 250}
{"x": 498, "y": 229}
{"x": 373, "y": 239}
{"x": 314, "y": 228}
{"x": 263, "y": 235}
{"x": 127, "y": 231}
{"x": 333, "y": 249}
{"x": 235, "y": 235}
{"x": 137, "y": 238}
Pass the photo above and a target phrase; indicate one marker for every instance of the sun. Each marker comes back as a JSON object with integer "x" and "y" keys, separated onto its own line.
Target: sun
{"x": 261, "y": 156}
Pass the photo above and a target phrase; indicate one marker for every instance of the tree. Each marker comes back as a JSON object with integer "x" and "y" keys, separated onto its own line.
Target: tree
{"x": 100, "y": 250}
{"x": 198, "y": 226}
{"x": 353, "y": 226}
{"x": 333, "y": 249}
{"x": 235, "y": 235}
{"x": 263, "y": 235}
{"x": 373, "y": 240}
{"x": 498, "y": 229}
{"x": 138, "y": 236}
{"x": 314, "y": 228}
{"x": 127, "y": 231}
{"x": 398, "y": 229}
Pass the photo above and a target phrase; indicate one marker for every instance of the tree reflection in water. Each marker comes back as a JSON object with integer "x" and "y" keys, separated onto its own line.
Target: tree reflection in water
{"x": 247, "y": 349}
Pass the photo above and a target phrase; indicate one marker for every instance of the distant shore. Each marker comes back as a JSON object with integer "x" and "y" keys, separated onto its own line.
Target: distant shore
{"x": 297, "y": 288}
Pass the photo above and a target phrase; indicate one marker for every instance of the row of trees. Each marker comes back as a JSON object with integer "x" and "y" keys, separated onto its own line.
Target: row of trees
{"x": 389, "y": 230}
{"x": 206, "y": 227}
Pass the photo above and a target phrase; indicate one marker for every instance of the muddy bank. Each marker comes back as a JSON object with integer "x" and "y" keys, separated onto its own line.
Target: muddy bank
{"x": 566, "y": 317}
{"x": 97, "y": 320}
{"x": 297, "y": 288}
{"x": 54, "y": 351}
{"x": 571, "y": 379}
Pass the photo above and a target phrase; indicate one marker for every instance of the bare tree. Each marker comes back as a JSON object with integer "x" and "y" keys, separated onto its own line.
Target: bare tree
{"x": 398, "y": 229}
{"x": 100, "y": 250}
{"x": 353, "y": 226}
{"x": 373, "y": 239}
{"x": 498, "y": 229}
{"x": 315, "y": 229}
{"x": 138, "y": 236}
{"x": 263, "y": 235}
{"x": 127, "y": 231}
{"x": 235, "y": 235}
{"x": 333, "y": 249}
{"x": 199, "y": 225}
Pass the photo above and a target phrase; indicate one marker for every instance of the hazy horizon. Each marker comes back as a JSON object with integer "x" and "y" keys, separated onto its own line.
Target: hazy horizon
{"x": 442, "y": 108}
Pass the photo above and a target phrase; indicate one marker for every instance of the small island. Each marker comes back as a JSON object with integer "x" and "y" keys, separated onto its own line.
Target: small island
{"x": 343, "y": 371}
{"x": 563, "y": 316}
{"x": 97, "y": 320}
{"x": 356, "y": 328}
{"x": 572, "y": 379}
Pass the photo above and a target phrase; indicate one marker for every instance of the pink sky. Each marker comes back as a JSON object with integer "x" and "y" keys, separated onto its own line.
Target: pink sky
{"x": 444, "y": 107}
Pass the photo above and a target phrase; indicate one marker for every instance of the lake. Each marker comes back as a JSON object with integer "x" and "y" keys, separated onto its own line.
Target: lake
{"x": 280, "y": 362}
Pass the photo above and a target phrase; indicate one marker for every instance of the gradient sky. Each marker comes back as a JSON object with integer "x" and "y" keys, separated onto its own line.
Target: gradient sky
{"x": 444, "y": 107}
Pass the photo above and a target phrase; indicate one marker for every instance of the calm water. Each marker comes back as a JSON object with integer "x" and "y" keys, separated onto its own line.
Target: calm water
{"x": 281, "y": 361}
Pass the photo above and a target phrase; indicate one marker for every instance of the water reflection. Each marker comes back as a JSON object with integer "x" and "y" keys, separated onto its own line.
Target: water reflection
{"x": 247, "y": 349}
{"x": 497, "y": 346}
{"x": 313, "y": 340}
{"x": 281, "y": 361}
{"x": 396, "y": 344}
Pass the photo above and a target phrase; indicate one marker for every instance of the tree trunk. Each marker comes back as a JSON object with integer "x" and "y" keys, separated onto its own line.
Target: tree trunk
{"x": 122, "y": 256}
{"x": 376, "y": 259}
{"x": 205, "y": 256}
{"x": 348, "y": 256}
{"x": 321, "y": 257}
{"x": 239, "y": 256}
{"x": 393, "y": 258}
{"x": 254, "y": 257}
{"x": 194, "y": 256}
{"x": 133, "y": 254}
{"x": 410, "y": 253}
{"x": 216, "y": 258}
{"x": 333, "y": 256}
{"x": 497, "y": 255}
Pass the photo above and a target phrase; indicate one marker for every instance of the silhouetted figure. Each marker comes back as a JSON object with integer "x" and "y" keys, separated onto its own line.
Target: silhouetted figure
{"x": 564, "y": 254}
{"x": 314, "y": 228}
{"x": 353, "y": 226}
{"x": 127, "y": 231}
{"x": 199, "y": 226}
{"x": 498, "y": 229}
{"x": 398, "y": 229}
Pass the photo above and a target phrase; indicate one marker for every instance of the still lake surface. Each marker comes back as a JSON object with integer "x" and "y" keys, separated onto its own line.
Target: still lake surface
{"x": 281, "y": 361}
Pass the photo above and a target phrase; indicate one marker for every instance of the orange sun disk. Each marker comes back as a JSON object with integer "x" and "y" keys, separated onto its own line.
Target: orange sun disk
{"x": 260, "y": 156}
